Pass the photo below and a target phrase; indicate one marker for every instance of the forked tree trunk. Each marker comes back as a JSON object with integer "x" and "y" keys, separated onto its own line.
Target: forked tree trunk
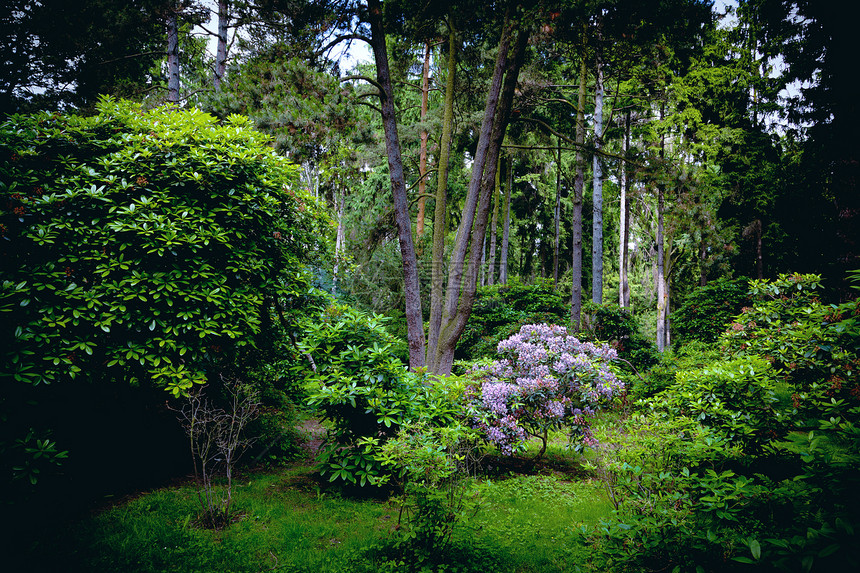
{"x": 463, "y": 275}
{"x": 411, "y": 285}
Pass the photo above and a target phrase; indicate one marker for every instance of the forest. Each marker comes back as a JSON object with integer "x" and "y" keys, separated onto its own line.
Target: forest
{"x": 399, "y": 285}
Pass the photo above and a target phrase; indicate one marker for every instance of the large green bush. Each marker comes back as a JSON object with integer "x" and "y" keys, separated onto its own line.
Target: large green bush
{"x": 707, "y": 311}
{"x": 716, "y": 474}
{"x": 147, "y": 249}
{"x": 364, "y": 392}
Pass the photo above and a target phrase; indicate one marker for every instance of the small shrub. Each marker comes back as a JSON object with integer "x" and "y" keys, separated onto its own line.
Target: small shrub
{"x": 434, "y": 464}
{"x": 365, "y": 392}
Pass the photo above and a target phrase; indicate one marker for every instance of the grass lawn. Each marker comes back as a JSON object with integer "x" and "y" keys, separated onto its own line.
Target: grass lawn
{"x": 528, "y": 521}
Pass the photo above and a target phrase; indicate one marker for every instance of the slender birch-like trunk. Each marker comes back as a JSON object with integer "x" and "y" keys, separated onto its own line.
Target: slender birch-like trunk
{"x": 624, "y": 226}
{"x": 597, "y": 191}
{"x": 578, "y": 183}
{"x": 173, "y": 53}
{"x": 221, "y": 51}
{"x": 506, "y": 226}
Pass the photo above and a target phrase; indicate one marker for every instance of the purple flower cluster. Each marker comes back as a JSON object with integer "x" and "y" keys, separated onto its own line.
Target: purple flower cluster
{"x": 545, "y": 379}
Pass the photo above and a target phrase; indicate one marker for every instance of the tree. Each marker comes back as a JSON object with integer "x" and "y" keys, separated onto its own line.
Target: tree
{"x": 62, "y": 53}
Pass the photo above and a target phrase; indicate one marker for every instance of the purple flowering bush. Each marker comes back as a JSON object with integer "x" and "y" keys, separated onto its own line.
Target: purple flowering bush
{"x": 544, "y": 379}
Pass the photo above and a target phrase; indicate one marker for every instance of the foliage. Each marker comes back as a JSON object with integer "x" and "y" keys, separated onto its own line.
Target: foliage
{"x": 434, "y": 463}
{"x": 712, "y": 475}
{"x": 545, "y": 379}
{"x": 807, "y": 340}
{"x": 359, "y": 386}
{"x": 501, "y": 310}
{"x": 148, "y": 242}
{"x": 141, "y": 249}
{"x": 735, "y": 398}
{"x": 707, "y": 311}
{"x": 615, "y": 325}
{"x": 662, "y": 375}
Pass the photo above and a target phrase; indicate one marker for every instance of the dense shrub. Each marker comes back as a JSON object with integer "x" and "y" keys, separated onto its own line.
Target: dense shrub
{"x": 712, "y": 475}
{"x": 358, "y": 385}
{"x": 615, "y": 325}
{"x": 501, "y": 310}
{"x": 735, "y": 398}
{"x": 707, "y": 311}
{"x": 662, "y": 375}
{"x": 813, "y": 344}
{"x": 139, "y": 250}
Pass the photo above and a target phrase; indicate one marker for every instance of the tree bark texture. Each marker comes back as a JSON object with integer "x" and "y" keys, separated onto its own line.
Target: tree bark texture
{"x": 440, "y": 222}
{"x": 506, "y": 226}
{"x": 173, "y": 54}
{"x": 411, "y": 285}
{"x": 221, "y": 51}
{"x": 494, "y": 224}
{"x": 624, "y": 224}
{"x": 422, "y": 154}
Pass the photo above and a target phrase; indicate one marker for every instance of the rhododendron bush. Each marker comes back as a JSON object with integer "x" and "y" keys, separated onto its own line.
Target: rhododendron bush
{"x": 545, "y": 379}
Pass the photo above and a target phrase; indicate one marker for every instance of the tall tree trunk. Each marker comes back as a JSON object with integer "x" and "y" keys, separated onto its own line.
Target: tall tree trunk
{"x": 624, "y": 226}
{"x": 463, "y": 276}
{"x": 440, "y": 223}
{"x": 173, "y": 53}
{"x": 411, "y": 285}
{"x": 506, "y": 226}
{"x": 221, "y": 51}
{"x": 422, "y": 154}
{"x": 597, "y": 190}
{"x": 579, "y": 180}
{"x": 491, "y": 268}
{"x": 557, "y": 217}
{"x": 662, "y": 291}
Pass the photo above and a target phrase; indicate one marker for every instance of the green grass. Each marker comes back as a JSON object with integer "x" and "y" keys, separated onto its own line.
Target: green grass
{"x": 526, "y": 523}
{"x": 535, "y": 520}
